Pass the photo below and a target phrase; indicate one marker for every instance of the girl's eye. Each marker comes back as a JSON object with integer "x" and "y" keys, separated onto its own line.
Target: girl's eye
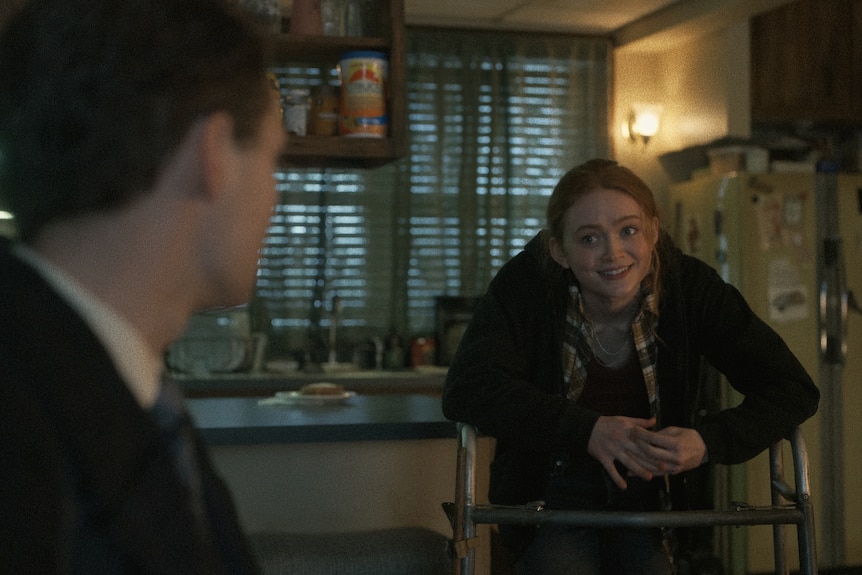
{"x": 630, "y": 230}
{"x": 587, "y": 240}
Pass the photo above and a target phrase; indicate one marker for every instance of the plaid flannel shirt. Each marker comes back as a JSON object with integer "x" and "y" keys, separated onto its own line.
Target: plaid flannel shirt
{"x": 576, "y": 349}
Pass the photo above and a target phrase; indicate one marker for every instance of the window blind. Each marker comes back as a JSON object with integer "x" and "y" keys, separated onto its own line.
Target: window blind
{"x": 494, "y": 122}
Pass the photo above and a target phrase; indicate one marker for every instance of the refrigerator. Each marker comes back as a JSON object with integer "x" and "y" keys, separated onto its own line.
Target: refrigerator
{"x": 792, "y": 244}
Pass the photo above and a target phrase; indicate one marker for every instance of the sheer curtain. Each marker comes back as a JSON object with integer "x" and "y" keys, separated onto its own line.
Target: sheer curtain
{"x": 494, "y": 120}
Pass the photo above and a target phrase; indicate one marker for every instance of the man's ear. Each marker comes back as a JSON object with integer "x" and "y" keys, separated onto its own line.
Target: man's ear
{"x": 557, "y": 252}
{"x": 218, "y": 153}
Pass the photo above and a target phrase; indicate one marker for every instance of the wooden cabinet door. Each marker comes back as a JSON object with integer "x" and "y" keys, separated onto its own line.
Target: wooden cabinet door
{"x": 806, "y": 62}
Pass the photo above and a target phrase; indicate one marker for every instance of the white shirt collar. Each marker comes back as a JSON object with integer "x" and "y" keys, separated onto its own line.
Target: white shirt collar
{"x": 139, "y": 367}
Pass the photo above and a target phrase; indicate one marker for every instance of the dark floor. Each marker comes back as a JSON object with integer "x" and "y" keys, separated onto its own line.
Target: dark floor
{"x": 841, "y": 571}
{"x": 499, "y": 563}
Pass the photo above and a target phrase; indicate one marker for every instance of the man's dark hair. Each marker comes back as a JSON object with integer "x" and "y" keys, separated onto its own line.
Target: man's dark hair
{"x": 95, "y": 95}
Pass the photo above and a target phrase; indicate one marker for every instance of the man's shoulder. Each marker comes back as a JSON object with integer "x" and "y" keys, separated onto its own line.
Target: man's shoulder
{"x": 5, "y": 250}
{"x": 19, "y": 284}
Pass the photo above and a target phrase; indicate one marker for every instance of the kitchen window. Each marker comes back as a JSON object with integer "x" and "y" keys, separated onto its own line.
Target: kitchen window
{"x": 494, "y": 120}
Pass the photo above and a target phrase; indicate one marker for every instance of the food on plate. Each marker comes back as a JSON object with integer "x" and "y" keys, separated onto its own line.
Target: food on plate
{"x": 322, "y": 388}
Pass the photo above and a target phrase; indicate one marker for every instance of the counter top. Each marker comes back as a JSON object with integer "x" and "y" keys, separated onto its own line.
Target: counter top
{"x": 428, "y": 382}
{"x": 244, "y": 421}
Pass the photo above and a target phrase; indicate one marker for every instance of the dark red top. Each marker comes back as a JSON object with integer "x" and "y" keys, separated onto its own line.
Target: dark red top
{"x": 617, "y": 391}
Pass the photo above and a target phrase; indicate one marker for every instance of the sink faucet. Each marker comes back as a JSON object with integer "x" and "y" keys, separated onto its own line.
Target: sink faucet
{"x": 335, "y": 315}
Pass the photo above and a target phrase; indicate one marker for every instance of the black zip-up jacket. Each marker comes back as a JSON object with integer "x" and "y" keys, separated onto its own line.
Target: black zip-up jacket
{"x": 506, "y": 377}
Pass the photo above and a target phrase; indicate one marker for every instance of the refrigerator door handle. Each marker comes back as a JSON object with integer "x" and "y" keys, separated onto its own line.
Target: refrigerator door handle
{"x": 852, "y": 304}
{"x": 834, "y": 303}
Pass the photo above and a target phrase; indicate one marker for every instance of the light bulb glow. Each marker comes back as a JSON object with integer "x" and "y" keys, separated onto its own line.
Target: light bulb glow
{"x": 643, "y": 122}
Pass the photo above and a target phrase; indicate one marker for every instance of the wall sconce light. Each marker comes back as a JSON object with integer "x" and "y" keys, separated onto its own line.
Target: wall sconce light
{"x": 642, "y": 122}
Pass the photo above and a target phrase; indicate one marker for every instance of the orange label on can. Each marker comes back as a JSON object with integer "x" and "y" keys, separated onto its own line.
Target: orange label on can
{"x": 363, "y": 96}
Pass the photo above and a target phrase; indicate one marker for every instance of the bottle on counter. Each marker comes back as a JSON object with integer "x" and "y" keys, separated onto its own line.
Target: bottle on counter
{"x": 423, "y": 351}
{"x": 394, "y": 357}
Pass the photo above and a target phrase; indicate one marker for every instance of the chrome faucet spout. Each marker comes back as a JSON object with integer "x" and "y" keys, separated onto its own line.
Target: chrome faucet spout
{"x": 334, "y": 318}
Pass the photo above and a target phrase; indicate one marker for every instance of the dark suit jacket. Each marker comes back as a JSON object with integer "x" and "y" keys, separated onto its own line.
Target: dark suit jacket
{"x": 87, "y": 484}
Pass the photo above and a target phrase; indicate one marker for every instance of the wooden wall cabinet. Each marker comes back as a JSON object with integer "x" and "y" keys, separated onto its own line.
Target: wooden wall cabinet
{"x": 342, "y": 151}
{"x": 806, "y": 62}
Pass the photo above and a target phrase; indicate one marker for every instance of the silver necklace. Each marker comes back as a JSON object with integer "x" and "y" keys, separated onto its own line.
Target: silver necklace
{"x": 601, "y": 347}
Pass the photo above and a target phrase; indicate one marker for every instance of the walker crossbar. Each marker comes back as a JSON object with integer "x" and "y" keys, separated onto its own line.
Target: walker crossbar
{"x": 790, "y": 506}
{"x": 525, "y": 516}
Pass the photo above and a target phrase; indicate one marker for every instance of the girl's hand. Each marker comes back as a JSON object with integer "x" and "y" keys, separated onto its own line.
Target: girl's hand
{"x": 612, "y": 440}
{"x": 672, "y": 449}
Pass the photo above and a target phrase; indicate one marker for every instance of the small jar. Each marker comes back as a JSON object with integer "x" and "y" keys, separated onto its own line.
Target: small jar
{"x": 324, "y": 111}
{"x": 268, "y": 12}
{"x": 305, "y": 18}
{"x": 332, "y": 20}
{"x": 296, "y": 111}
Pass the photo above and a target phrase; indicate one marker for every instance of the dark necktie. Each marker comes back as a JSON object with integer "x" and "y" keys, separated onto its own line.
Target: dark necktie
{"x": 172, "y": 417}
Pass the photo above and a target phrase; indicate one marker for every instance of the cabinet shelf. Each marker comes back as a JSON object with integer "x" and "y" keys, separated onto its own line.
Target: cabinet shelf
{"x": 342, "y": 151}
{"x": 294, "y": 48}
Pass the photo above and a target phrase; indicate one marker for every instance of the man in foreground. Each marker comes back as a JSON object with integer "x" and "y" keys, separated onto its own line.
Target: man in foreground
{"x": 137, "y": 144}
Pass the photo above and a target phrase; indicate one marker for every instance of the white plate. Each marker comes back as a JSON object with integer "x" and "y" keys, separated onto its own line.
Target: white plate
{"x": 297, "y": 398}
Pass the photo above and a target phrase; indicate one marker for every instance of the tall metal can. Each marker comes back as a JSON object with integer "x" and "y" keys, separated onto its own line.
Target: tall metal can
{"x": 364, "y": 79}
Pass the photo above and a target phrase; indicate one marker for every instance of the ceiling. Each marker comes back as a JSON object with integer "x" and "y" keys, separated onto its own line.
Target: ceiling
{"x": 651, "y": 24}
{"x": 579, "y": 16}
{"x": 648, "y": 24}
